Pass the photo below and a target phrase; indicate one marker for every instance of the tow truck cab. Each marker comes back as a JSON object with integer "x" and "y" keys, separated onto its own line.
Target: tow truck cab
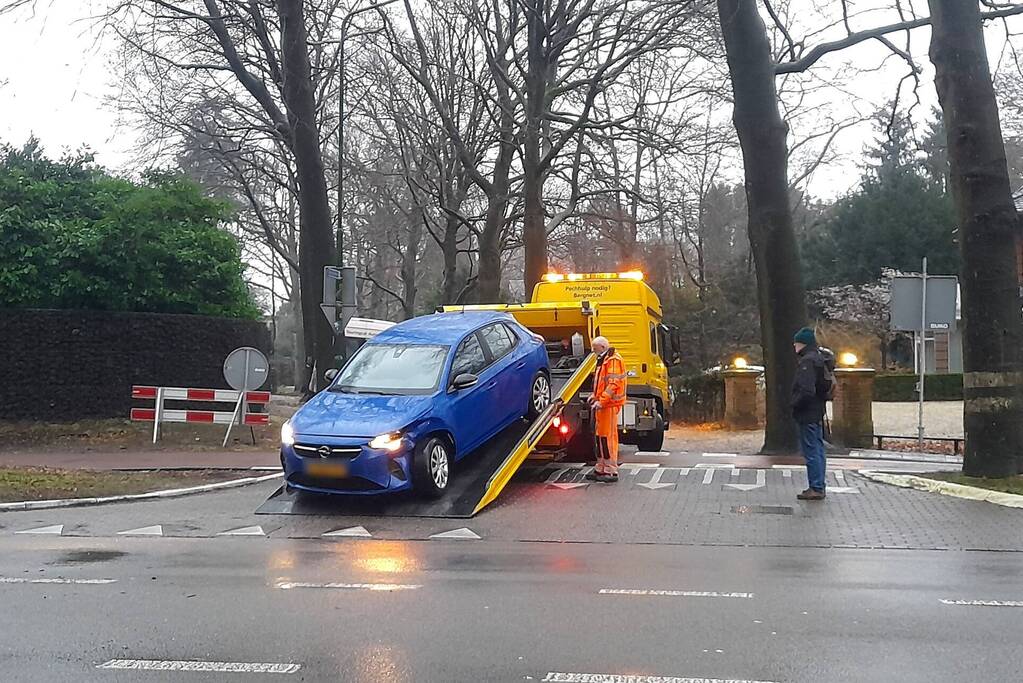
{"x": 623, "y": 308}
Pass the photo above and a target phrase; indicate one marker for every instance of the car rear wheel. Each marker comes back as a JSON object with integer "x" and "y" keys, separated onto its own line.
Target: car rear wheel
{"x": 652, "y": 441}
{"x": 539, "y": 395}
{"x": 431, "y": 468}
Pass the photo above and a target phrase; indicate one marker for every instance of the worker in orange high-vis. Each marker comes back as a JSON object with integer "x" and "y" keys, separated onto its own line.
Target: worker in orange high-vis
{"x": 606, "y": 403}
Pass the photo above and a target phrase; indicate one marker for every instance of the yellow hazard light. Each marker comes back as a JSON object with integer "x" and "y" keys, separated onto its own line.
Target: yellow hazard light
{"x": 848, "y": 359}
{"x": 553, "y": 277}
{"x": 574, "y": 277}
{"x": 740, "y": 363}
{"x": 631, "y": 275}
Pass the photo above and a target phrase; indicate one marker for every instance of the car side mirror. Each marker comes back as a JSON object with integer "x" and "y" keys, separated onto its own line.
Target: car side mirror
{"x": 464, "y": 381}
{"x": 331, "y": 374}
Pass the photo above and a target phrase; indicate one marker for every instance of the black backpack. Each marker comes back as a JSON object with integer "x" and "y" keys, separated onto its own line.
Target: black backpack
{"x": 826, "y": 382}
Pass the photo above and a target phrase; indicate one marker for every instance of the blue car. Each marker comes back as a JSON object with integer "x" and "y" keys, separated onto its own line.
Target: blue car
{"x": 413, "y": 400}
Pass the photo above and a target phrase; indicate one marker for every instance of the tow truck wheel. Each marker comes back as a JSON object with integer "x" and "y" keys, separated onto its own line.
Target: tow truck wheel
{"x": 431, "y": 468}
{"x": 651, "y": 441}
{"x": 539, "y": 395}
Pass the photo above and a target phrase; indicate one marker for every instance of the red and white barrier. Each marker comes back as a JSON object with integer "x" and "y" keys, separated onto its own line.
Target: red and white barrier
{"x": 159, "y": 414}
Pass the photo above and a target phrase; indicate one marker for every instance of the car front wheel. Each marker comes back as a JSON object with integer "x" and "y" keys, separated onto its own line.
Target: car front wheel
{"x": 539, "y": 395}
{"x": 431, "y": 468}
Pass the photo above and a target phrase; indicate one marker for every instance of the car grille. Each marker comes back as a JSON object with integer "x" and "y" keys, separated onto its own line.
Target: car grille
{"x": 308, "y": 450}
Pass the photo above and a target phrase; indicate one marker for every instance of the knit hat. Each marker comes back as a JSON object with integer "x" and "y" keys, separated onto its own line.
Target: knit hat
{"x": 805, "y": 336}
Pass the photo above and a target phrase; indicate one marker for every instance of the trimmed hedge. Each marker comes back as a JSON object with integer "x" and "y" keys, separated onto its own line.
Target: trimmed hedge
{"x": 699, "y": 399}
{"x": 903, "y": 387}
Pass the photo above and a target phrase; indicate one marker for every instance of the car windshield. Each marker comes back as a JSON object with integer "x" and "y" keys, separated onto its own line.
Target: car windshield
{"x": 393, "y": 369}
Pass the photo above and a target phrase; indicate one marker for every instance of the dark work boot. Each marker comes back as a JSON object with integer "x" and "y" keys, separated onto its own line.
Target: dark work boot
{"x": 593, "y": 475}
{"x": 607, "y": 478}
{"x": 811, "y": 494}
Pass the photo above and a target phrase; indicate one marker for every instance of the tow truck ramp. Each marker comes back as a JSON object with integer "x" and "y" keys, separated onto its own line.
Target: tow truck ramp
{"x": 478, "y": 478}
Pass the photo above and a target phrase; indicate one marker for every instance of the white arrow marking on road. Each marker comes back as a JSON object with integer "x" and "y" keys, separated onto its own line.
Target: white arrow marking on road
{"x": 562, "y": 677}
{"x": 673, "y": 594}
{"x": 554, "y": 475}
{"x": 463, "y": 534}
{"x": 56, "y": 530}
{"x": 565, "y": 486}
{"x": 86, "y": 582}
{"x": 984, "y": 603}
{"x": 288, "y": 585}
{"x": 244, "y": 531}
{"x": 203, "y": 667}
{"x": 761, "y": 482}
{"x": 655, "y": 481}
{"x": 156, "y": 530}
{"x": 351, "y": 532}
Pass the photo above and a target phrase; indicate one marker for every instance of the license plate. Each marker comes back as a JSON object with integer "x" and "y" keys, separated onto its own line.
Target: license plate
{"x": 331, "y": 470}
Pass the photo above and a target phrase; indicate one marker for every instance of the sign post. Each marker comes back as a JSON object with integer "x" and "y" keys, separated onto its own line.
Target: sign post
{"x": 923, "y": 355}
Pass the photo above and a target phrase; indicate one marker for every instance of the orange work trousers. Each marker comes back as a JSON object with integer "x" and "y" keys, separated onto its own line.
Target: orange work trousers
{"x": 606, "y": 433}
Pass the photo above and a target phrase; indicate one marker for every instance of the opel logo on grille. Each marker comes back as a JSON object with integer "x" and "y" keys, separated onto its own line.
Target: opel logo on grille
{"x": 324, "y": 451}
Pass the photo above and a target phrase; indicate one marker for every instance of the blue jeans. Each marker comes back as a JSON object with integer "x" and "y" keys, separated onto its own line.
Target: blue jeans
{"x": 811, "y": 442}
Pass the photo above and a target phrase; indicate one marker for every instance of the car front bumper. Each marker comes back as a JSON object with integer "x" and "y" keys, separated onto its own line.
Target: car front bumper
{"x": 368, "y": 471}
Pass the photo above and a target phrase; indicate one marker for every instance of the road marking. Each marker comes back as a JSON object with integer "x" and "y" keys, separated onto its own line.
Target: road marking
{"x": 568, "y": 485}
{"x": 787, "y": 474}
{"x": 556, "y": 474}
{"x": 843, "y": 489}
{"x": 714, "y": 466}
{"x": 156, "y": 530}
{"x": 559, "y": 677}
{"x": 673, "y": 594}
{"x": 56, "y": 530}
{"x": 463, "y": 534}
{"x": 736, "y": 473}
{"x": 638, "y": 465}
{"x": 204, "y": 667}
{"x": 244, "y": 531}
{"x": 761, "y": 482}
{"x": 984, "y": 603}
{"x": 654, "y": 454}
{"x": 655, "y": 481}
{"x": 708, "y": 476}
{"x": 84, "y": 582}
{"x": 350, "y": 532}
{"x": 288, "y": 585}
{"x": 840, "y": 477}
{"x": 720, "y": 455}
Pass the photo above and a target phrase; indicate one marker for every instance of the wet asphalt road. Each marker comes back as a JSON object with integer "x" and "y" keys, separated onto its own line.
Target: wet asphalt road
{"x": 501, "y": 611}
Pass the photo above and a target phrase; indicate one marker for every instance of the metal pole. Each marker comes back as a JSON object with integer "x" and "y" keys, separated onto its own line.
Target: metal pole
{"x": 923, "y": 354}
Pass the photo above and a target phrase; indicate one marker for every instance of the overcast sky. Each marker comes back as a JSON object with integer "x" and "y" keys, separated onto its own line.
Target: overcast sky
{"x": 55, "y": 76}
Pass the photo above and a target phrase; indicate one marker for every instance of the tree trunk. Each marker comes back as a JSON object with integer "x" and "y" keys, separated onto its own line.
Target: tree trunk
{"x": 409, "y": 263}
{"x": 449, "y": 248}
{"x": 988, "y": 228}
{"x": 534, "y": 222}
{"x": 762, "y": 136}
{"x": 316, "y": 238}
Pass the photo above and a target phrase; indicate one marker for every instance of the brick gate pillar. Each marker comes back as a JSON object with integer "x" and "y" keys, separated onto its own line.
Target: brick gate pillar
{"x": 852, "y": 421}
{"x": 741, "y": 399}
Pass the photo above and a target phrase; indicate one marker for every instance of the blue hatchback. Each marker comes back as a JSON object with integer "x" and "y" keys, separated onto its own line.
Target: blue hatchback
{"x": 414, "y": 399}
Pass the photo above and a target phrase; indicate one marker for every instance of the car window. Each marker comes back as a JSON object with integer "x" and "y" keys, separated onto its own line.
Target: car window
{"x": 498, "y": 340}
{"x": 393, "y": 369}
{"x": 469, "y": 358}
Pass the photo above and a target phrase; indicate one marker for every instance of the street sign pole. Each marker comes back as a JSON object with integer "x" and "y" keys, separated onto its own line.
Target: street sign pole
{"x": 923, "y": 355}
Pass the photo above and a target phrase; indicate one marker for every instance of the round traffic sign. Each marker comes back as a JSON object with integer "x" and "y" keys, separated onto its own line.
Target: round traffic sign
{"x": 246, "y": 369}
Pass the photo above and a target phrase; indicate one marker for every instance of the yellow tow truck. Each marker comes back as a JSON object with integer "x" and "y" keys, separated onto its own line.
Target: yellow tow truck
{"x": 568, "y": 310}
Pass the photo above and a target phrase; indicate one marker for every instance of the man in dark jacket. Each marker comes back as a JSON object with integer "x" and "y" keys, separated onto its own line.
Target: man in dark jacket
{"x": 809, "y": 396}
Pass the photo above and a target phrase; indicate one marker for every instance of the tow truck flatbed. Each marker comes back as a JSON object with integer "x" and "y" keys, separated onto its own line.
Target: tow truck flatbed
{"x": 478, "y": 478}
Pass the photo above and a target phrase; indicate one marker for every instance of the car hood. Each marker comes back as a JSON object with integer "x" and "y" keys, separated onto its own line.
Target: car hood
{"x": 358, "y": 415}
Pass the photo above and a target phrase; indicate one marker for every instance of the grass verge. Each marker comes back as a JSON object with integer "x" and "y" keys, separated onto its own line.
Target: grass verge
{"x": 1006, "y": 485}
{"x": 37, "y": 483}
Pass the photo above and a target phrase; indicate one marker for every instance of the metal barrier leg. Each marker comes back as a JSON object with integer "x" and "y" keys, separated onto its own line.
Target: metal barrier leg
{"x": 234, "y": 416}
{"x": 158, "y": 414}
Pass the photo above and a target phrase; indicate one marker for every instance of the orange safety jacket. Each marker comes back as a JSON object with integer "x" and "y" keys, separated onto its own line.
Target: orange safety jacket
{"x": 609, "y": 381}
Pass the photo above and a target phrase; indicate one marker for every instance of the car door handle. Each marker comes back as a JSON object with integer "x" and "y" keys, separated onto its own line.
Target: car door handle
{"x": 491, "y": 385}
{"x": 521, "y": 364}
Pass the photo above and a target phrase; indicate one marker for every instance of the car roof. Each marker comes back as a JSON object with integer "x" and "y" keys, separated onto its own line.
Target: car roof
{"x": 439, "y": 328}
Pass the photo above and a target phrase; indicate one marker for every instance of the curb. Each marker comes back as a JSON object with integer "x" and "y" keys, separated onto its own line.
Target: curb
{"x": 168, "y": 493}
{"x": 946, "y": 488}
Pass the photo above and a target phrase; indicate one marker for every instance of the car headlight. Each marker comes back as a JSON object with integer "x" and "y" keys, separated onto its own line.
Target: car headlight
{"x": 287, "y": 434}
{"x": 391, "y": 442}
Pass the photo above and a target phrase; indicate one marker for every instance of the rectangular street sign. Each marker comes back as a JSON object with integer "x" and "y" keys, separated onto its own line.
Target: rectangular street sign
{"x": 942, "y": 292}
